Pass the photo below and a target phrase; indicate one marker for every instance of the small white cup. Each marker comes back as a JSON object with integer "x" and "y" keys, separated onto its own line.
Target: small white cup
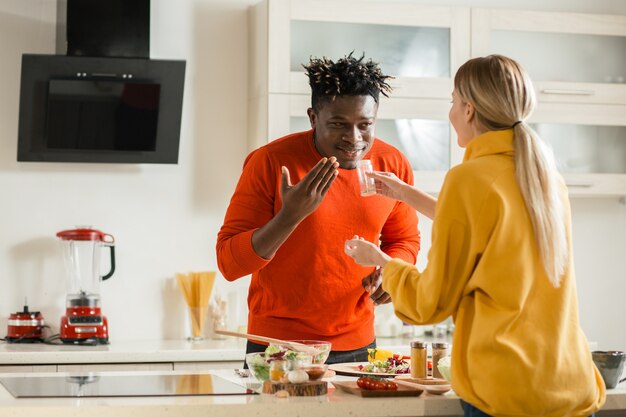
{"x": 367, "y": 184}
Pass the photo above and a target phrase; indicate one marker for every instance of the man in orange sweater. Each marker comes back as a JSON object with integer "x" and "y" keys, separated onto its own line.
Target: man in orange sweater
{"x": 296, "y": 203}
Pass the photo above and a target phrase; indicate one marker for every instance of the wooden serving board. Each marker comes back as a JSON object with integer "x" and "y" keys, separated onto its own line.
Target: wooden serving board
{"x": 352, "y": 388}
{"x": 436, "y": 386}
{"x": 305, "y": 389}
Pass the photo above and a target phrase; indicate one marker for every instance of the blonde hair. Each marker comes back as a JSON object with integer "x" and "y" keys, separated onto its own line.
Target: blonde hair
{"x": 503, "y": 97}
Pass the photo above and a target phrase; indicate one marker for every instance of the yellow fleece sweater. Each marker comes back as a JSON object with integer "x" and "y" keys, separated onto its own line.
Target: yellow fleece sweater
{"x": 518, "y": 349}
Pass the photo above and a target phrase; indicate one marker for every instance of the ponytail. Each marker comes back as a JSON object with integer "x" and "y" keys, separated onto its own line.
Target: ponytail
{"x": 537, "y": 178}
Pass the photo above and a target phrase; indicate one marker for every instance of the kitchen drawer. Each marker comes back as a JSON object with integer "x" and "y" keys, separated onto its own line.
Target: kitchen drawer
{"x": 27, "y": 368}
{"x": 203, "y": 366}
{"x": 96, "y": 367}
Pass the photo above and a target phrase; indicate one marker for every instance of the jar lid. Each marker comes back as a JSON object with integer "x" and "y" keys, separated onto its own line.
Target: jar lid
{"x": 418, "y": 344}
{"x": 441, "y": 345}
{"x": 85, "y": 233}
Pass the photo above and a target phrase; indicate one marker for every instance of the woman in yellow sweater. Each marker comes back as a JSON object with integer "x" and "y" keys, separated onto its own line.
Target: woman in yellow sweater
{"x": 501, "y": 258}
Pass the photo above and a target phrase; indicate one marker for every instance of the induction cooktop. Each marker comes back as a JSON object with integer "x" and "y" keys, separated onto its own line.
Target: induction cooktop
{"x": 102, "y": 385}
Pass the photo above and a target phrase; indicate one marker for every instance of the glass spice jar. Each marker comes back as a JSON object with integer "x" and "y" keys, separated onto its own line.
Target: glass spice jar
{"x": 440, "y": 350}
{"x": 277, "y": 370}
{"x": 418, "y": 359}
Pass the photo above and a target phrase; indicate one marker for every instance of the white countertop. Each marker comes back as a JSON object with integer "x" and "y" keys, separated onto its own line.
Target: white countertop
{"x": 336, "y": 403}
{"x": 145, "y": 351}
{"x": 124, "y": 352}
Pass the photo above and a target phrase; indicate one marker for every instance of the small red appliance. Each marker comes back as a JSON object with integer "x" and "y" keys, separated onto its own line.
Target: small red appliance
{"x": 83, "y": 322}
{"x": 25, "y": 327}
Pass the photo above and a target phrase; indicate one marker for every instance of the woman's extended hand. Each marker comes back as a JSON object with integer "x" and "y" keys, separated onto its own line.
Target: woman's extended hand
{"x": 365, "y": 253}
{"x": 389, "y": 185}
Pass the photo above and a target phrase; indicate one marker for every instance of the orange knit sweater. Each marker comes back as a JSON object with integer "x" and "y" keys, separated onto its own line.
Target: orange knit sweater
{"x": 310, "y": 289}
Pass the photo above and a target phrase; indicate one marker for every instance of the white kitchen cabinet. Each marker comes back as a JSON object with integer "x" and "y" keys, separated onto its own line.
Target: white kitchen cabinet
{"x": 101, "y": 367}
{"x": 204, "y": 366}
{"x": 420, "y": 46}
{"x": 581, "y": 111}
{"x": 146, "y": 355}
{"x": 578, "y": 66}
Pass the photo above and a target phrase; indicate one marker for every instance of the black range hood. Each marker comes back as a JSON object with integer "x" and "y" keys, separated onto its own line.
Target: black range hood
{"x": 107, "y": 28}
{"x": 103, "y": 99}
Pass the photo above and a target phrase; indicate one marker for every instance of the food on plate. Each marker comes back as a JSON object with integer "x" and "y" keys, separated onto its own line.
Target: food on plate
{"x": 396, "y": 364}
{"x": 376, "y": 384}
{"x": 378, "y": 354}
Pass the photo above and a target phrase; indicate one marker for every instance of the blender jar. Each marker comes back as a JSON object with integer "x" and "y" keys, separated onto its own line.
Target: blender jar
{"x": 81, "y": 254}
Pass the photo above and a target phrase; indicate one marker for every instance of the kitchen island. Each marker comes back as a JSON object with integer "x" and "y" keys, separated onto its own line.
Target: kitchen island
{"x": 217, "y": 357}
{"x": 336, "y": 403}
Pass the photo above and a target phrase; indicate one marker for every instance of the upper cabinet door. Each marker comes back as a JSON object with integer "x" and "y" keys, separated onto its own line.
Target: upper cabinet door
{"x": 571, "y": 57}
{"x": 578, "y": 66}
{"x": 420, "y": 46}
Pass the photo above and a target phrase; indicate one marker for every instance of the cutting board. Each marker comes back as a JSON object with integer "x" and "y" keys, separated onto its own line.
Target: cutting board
{"x": 436, "y": 386}
{"x": 352, "y": 388}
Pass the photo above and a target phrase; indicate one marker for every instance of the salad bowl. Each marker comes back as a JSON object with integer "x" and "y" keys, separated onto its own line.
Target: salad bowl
{"x": 319, "y": 350}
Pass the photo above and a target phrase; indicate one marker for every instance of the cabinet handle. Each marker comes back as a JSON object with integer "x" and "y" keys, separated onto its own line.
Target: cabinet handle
{"x": 568, "y": 92}
{"x": 579, "y": 184}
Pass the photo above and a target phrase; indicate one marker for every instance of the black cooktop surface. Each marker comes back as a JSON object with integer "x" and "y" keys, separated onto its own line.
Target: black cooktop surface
{"x": 102, "y": 385}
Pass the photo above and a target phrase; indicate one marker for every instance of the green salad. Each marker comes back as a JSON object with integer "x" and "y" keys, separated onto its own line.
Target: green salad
{"x": 387, "y": 366}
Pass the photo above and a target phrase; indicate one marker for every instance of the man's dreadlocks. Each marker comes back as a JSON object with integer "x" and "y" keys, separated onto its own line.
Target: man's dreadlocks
{"x": 346, "y": 77}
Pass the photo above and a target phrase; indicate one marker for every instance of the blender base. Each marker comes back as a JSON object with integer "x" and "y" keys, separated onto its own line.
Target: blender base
{"x": 84, "y": 326}
{"x": 90, "y": 342}
{"x": 23, "y": 339}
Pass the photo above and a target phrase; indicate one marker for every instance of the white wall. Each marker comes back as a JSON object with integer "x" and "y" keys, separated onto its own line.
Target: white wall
{"x": 165, "y": 217}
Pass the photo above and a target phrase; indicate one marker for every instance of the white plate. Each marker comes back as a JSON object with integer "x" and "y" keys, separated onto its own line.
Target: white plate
{"x": 352, "y": 369}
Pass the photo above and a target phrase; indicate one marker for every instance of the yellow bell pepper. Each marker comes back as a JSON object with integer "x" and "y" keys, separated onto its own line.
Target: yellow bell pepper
{"x": 378, "y": 355}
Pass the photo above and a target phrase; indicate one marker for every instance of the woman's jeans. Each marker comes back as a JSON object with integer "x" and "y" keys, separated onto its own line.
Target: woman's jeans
{"x": 471, "y": 411}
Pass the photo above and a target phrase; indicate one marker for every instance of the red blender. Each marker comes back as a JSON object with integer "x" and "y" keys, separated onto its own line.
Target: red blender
{"x": 83, "y": 322}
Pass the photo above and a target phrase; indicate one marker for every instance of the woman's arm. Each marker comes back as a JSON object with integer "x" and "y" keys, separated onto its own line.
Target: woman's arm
{"x": 389, "y": 185}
